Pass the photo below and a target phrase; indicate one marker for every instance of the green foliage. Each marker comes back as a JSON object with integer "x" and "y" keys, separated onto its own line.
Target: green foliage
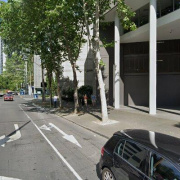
{"x": 3, "y": 82}
{"x": 125, "y": 15}
{"x": 14, "y": 71}
{"x": 101, "y": 63}
{"x": 85, "y": 90}
{"x": 68, "y": 94}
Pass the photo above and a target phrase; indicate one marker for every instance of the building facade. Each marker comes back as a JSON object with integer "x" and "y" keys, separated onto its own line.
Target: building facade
{"x": 144, "y": 65}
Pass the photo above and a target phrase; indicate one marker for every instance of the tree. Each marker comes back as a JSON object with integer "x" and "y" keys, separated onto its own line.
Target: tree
{"x": 14, "y": 72}
{"x": 93, "y": 12}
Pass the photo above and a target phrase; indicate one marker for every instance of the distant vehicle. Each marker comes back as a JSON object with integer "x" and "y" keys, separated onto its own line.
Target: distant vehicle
{"x": 8, "y": 97}
{"x": 9, "y": 92}
{"x": 14, "y": 93}
{"x": 1, "y": 94}
{"x": 140, "y": 155}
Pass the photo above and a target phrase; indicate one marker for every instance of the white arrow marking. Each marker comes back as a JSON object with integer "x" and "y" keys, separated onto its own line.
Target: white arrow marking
{"x": 54, "y": 148}
{"x": 4, "y": 139}
{"x": 15, "y": 136}
{"x": 70, "y": 138}
{"x": 7, "y": 178}
{"x": 45, "y": 127}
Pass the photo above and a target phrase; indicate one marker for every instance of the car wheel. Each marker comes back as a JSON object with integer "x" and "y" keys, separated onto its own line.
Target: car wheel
{"x": 107, "y": 174}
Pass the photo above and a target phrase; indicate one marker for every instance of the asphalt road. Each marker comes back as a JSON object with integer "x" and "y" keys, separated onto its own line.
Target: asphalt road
{"x": 45, "y": 146}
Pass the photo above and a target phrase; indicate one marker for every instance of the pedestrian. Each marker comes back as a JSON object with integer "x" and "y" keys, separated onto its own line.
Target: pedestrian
{"x": 85, "y": 100}
{"x": 82, "y": 100}
{"x": 93, "y": 99}
{"x": 55, "y": 100}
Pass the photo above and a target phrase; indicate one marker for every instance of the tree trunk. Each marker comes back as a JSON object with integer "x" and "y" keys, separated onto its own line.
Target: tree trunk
{"x": 98, "y": 70}
{"x": 95, "y": 48}
{"x": 50, "y": 87}
{"x": 43, "y": 86}
{"x": 76, "y": 102}
{"x": 59, "y": 88}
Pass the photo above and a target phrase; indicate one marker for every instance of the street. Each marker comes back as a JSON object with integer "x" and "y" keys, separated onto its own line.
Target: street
{"x": 37, "y": 145}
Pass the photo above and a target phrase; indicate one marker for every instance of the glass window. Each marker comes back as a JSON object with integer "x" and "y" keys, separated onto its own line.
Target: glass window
{"x": 135, "y": 155}
{"x": 119, "y": 148}
{"x": 177, "y": 4}
{"x": 161, "y": 169}
{"x": 110, "y": 145}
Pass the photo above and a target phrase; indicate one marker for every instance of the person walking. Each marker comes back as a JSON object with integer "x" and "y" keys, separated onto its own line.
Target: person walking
{"x": 55, "y": 100}
{"x": 85, "y": 100}
{"x": 93, "y": 99}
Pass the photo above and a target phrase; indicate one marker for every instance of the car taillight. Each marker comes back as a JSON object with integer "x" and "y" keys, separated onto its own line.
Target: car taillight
{"x": 102, "y": 151}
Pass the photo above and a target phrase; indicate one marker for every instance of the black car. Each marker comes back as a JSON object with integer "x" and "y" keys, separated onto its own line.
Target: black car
{"x": 140, "y": 155}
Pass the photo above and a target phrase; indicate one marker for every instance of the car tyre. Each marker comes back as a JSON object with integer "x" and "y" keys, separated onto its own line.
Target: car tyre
{"x": 107, "y": 174}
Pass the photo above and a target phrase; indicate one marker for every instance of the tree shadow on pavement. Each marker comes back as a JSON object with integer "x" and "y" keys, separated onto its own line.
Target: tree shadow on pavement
{"x": 177, "y": 125}
{"x": 68, "y": 109}
{"x": 139, "y": 109}
{"x": 171, "y": 112}
{"x": 98, "y": 171}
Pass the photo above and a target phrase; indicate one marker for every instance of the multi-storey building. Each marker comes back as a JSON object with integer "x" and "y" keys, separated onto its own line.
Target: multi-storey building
{"x": 144, "y": 65}
{"x": 143, "y": 68}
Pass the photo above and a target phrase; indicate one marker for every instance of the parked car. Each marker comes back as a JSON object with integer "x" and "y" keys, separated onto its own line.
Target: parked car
{"x": 8, "y": 97}
{"x": 140, "y": 155}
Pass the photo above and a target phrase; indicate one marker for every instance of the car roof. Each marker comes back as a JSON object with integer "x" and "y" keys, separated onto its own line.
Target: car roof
{"x": 166, "y": 145}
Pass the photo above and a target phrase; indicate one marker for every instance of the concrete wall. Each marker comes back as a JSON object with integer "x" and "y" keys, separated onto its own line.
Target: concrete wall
{"x": 137, "y": 90}
{"x": 168, "y": 90}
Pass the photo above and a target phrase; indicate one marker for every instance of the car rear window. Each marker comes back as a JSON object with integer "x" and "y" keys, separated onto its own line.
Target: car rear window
{"x": 111, "y": 143}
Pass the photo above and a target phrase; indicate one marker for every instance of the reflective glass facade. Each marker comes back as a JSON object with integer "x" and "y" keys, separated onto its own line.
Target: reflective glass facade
{"x": 164, "y": 7}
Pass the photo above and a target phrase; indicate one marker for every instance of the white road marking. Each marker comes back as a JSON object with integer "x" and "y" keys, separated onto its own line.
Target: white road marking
{"x": 4, "y": 139}
{"x": 70, "y": 138}
{"x": 15, "y": 136}
{"x": 8, "y": 178}
{"x": 54, "y": 148}
{"x": 45, "y": 127}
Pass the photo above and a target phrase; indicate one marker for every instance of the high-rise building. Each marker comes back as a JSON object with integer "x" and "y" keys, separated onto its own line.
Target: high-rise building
{"x": 144, "y": 65}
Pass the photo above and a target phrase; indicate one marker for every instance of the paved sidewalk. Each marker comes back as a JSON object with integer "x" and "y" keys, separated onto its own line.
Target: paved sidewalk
{"x": 127, "y": 118}
{"x": 166, "y": 121}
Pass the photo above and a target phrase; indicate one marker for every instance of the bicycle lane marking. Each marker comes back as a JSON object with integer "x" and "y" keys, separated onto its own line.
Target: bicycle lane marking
{"x": 54, "y": 148}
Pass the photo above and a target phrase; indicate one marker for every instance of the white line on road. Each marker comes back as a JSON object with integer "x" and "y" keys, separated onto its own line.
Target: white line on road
{"x": 70, "y": 138}
{"x": 17, "y": 135}
{"x": 4, "y": 139}
{"x": 7, "y": 178}
{"x": 54, "y": 148}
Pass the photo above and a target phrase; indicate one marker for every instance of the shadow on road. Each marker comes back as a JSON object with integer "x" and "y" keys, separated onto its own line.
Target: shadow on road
{"x": 98, "y": 171}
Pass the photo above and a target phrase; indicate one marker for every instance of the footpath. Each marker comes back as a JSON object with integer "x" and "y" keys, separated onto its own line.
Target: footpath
{"x": 166, "y": 121}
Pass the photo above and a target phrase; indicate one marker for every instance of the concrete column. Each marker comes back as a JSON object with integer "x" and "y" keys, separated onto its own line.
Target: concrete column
{"x": 117, "y": 63}
{"x": 152, "y": 57}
